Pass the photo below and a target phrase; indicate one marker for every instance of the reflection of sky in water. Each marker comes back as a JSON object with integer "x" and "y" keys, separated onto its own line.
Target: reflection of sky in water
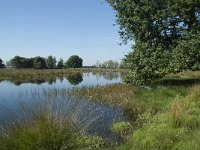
{"x": 11, "y": 95}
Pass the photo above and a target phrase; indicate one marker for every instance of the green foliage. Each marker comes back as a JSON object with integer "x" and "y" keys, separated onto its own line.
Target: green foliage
{"x": 60, "y": 64}
{"x": 121, "y": 128}
{"x": 74, "y": 62}
{"x": 175, "y": 128}
{"x": 51, "y": 62}
{"x": 39, "y": 63}
{"x": 186, "y": 55}
{"x": 162, "y": 34}
{"x": 1, "y": 64}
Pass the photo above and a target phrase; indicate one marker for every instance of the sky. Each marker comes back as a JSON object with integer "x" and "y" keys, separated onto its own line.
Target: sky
{"x": 60, "y": 28}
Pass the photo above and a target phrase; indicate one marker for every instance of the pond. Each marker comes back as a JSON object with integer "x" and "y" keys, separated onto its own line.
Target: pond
{"x": 16, "y": 94}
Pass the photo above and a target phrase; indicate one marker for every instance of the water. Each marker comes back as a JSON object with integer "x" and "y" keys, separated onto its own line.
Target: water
{"x": 15, "y": 93}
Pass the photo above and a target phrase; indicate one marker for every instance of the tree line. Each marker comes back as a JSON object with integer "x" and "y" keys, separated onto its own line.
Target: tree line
{"x": 38, "y": 62}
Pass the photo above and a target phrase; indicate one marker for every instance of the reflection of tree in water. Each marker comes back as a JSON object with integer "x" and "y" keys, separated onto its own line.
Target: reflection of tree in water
{"x": 61, "y": 78}
{"x": 36, "y": 81}
{"x": 75, "y": 78}
{"x": 51, "y": 80}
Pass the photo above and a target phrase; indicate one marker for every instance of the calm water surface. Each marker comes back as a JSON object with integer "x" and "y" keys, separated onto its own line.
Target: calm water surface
{"x": 12, "y": 94}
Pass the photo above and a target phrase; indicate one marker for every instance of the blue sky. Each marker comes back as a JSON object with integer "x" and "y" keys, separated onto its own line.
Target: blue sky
{"x": 61, "y": 28}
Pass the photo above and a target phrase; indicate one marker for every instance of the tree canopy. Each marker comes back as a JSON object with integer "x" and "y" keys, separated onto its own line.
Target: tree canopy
{"x": 166, "y": 35}
{"x": 74, "y": 62}
{"x": 39, "y": 63}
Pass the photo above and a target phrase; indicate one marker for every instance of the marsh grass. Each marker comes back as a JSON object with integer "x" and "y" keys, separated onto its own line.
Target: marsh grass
{"x": 174, "y": 128}
{"x": 52, "y": 123}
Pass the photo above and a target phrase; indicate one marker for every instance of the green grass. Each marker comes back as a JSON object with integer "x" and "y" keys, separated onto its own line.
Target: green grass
{"x": 176, "y": 128}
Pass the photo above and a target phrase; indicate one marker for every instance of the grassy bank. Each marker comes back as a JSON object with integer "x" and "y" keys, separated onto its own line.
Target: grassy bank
{"x": 161, "y": 117}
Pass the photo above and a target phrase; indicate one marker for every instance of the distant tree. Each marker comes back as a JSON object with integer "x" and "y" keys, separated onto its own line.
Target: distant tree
{"x": 21, "y": 62}
{"x": 111, "y": 64}
{"x": 29, "y": 62}
{"x": 16, "y": 62}
{"x": 2, "y": 65}
{"x": 39, "y": 63}
{"x": 74, "y": 62}
{"x": 60, "y": 64}
{"x": 51, "y": 62}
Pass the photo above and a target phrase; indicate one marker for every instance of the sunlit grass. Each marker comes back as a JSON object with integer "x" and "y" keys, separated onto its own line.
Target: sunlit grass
{"x": 176, "y": 127}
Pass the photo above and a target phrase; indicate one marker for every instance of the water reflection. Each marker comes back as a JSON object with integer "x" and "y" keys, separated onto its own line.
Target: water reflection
{"x": 108, "y": 75}
{"x": 75, "y": 79}
{"x": 72, "y": 78}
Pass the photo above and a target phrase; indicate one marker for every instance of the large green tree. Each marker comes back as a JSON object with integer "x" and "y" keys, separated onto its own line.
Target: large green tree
{"x": 166, "y": 34}
{"x": 2, "y": 65}
{"x": 74, "y": 62}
